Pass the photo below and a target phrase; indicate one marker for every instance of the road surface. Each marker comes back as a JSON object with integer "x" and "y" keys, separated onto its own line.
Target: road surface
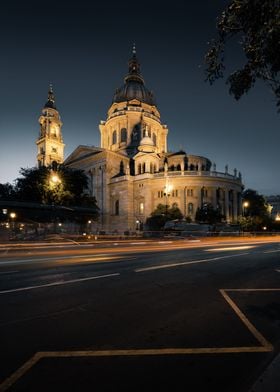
{"x": 149, "y": 315}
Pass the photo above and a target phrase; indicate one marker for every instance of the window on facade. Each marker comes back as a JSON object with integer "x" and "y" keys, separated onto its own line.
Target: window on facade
{"x": 155, "y": 139}
{"x": 41, "y": 150}
{"x": 117, "y": 207}
{"x": 178, "y": 167}
{"x": 121, "y": 167}
{"x": 54, "y": 150}
{"x": 114, "y": 137}
{"x": 123, "y": 135}
{"x": 190, "y": 192}
{"x": 190, "y": 208}
{"x": 139, "y": 168}
{"x": 141, "y": 208}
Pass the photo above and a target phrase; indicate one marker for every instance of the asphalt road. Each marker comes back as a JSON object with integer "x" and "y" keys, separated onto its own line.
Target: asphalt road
{"x": 174, "y": 316}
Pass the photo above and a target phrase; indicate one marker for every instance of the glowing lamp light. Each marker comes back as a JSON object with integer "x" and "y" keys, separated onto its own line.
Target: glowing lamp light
{"x": 246, "y": 204}
{"x": 13, "y": 215}
{"x": 277, "y": 217}
{"x": 55, "y": 179}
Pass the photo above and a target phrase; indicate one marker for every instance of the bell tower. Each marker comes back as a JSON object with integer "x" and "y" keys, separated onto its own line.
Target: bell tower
{"x": 50, "y": 146}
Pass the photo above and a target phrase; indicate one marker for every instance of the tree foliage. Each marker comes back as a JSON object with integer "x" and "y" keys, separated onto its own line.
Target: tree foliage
{"x": 208, "y": 214}
{"x": 256, "y": 26}
{"x": 162, "y": 214}
{"x": 257, "y": 214}
{"x": 36, "y": 185}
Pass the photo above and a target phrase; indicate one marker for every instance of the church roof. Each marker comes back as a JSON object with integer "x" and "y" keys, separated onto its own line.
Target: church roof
{"x": 134, "y": 85}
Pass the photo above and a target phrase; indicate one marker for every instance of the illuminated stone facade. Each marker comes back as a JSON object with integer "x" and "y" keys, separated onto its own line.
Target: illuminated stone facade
{"x": 50, "y": 147}
{"x": 132, "y": 172}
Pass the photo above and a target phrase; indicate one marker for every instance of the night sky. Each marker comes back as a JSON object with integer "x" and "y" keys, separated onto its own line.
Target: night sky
{"x": 83, "y": 49}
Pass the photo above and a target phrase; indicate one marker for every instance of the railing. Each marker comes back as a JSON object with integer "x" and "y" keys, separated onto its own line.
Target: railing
{"x": 192, "y": 173}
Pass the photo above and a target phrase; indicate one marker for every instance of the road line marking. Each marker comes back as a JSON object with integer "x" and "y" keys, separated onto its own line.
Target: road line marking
{"x": 8, "y": 272}
{"x": 57, "y": 283}
{"x": 157, "y": 267}
{"x": 130, "y": 352}
{"x": 271, "y": 251}
{"x": 260, "y": 338}
{"x": 20, "y": 372}
{"x": 265, "y": 347}
{"x": 138, "y": 243}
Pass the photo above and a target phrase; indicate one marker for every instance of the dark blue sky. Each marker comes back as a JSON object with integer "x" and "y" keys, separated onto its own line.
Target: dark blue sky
{"x": 83, "y": 49}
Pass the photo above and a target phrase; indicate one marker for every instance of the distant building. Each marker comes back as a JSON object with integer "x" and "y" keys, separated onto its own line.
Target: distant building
{"x": 133, "y": 171}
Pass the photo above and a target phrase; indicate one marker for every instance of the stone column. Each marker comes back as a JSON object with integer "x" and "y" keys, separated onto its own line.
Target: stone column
{"x": 199, "y": 200}
{"x": 227, "y": 206}
{"x": 235, "y": 206}
{"x": 214, "y": 197}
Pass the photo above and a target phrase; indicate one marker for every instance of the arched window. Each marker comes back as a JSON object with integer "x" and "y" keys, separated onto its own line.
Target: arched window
{"x": 123, "y": 135}
{"x": 172, "y": 167}
{"x": 190, "y": 208}
{"x": 178, "y": 167}
{"x": 139, "y": 168}
{"x": 191, "y": 167}
{"x": 114, "y": 137}
{"x": 155, "y": 139}
{"x": 155, "y": 168}
{"x": 117, "y": 207}
{"x": 121, "y": 167}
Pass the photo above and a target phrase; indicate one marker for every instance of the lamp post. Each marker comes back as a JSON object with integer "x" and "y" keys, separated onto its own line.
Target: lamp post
{"x": 245, "y": 206}
{"x": 54, "y": 181}
{"x": 167, "y": 192}
{"x": 13, "y": 216}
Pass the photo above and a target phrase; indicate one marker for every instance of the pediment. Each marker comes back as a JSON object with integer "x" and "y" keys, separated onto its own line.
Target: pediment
{"x": 81, "y": 152}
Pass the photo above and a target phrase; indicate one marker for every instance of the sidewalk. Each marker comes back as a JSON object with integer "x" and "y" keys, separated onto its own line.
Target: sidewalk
{"x": 269, "y": 381}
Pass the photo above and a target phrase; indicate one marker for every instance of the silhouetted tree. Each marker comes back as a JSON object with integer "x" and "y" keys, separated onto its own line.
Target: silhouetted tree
{"x": 255, "y": 24}
{"x": 162, "y": 214}
{"x": 208, "y": 214}
{"x": 257, "y": 213}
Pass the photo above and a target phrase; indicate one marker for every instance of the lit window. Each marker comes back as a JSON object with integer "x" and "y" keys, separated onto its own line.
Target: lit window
{"x": 141, "y": 208}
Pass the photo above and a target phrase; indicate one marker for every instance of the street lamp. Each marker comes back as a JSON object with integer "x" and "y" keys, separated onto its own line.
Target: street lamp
{"x": 54, "y": 181}
{"x": 168, "y": 188}
{"x": 245, "y": 206}
{"x": 13, "y": 215}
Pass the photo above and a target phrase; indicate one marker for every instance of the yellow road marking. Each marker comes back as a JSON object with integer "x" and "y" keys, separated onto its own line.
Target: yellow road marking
{"x": 260, "y": 338}
{"x": 265, "y": 346}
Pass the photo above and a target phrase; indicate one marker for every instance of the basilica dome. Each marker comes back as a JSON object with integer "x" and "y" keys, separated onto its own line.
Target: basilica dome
{"x": 134, "y": 85}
